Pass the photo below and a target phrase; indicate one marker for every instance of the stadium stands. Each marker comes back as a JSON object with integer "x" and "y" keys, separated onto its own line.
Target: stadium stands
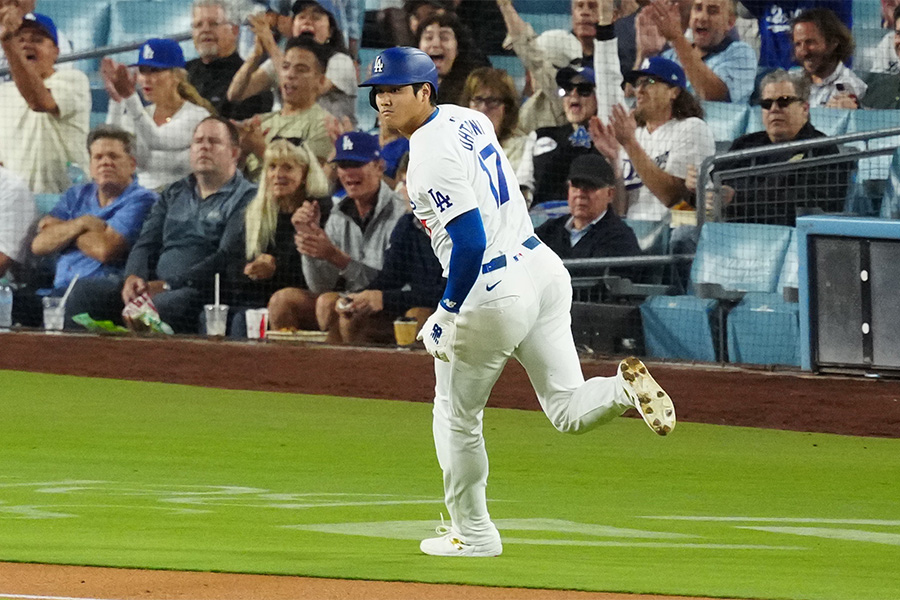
{"x": 741, "y": 303}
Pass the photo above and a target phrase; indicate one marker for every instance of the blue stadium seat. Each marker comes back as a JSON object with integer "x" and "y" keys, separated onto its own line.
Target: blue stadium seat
{"x": 138, "y": 20}
{"x": 736, "y": 258}
{"x": 513, "y": 66}
{"x": 653, "y": 236}
{"x": 727, "y": 121}
{"x": 679, "y": 327}
{"x": 764, "y": 328}
{"x": 740, "y": 256}
{"x": 875, "y": 167}
{"x": 86, "y": 24}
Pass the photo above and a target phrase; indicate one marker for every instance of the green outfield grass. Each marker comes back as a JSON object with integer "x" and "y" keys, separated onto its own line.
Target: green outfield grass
{"x": 103, "y": 472}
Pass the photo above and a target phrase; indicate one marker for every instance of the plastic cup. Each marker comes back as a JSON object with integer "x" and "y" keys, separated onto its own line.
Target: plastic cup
{"x": 405, "y": 330}
{"x": 54, "y": 313}
{"x": 257, "y": 322}
{"x": 216, "y": 319}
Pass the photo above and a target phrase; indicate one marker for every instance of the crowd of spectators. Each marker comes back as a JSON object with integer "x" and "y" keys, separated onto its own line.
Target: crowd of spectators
{"x": 251, "y": 171}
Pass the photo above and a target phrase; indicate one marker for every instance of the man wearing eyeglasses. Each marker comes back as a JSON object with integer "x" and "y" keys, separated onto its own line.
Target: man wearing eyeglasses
{"x": 552, "y": 149}
{"x": 777, "y": 198}
{"x": 214, "y": 29}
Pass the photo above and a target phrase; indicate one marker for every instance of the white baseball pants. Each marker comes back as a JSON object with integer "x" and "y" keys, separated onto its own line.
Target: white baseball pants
{"x": 522, "y": 310}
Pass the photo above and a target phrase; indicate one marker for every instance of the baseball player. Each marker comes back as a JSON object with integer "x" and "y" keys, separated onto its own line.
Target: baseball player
{"x": 507, "y": 295}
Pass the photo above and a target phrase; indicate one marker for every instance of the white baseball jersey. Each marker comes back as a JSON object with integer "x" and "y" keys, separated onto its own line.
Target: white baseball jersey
{"x": 672, "y": 146}
{"x": 518, "y": 308}
{"x": 456, "y": 164}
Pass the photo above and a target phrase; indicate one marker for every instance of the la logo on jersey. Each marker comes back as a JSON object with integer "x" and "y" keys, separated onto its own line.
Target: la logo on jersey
{"x": 347, "y": 145}
{"x": 378, "y": 67}
{"x": 148, "y": 52}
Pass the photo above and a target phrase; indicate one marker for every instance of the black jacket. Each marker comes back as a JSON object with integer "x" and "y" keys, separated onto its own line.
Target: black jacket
{"x": 775, "y": 198}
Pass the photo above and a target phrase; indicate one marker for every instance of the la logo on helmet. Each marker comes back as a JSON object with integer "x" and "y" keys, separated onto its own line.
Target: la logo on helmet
{"x": 378, "y": 67}
{"x": 348, "y": 144}
{"x": 148, "y": 52}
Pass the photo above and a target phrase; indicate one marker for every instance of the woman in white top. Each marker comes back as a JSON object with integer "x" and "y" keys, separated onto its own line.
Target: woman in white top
{"x": 163, "y": 130}
{"x": 315, "y": 18}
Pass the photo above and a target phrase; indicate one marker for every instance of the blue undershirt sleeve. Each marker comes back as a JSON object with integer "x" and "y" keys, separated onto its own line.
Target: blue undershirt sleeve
{"x": 469, "y": 241}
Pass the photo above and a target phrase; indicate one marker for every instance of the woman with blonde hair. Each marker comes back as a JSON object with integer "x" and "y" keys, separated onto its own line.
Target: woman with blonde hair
{"x": 492, "y": 92}
{"x": 269, "y": 260}
{"x": 164, "y": 128}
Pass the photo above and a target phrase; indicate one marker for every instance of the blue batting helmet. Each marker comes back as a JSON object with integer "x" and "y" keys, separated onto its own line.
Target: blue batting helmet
{"x": 401, "y": 65}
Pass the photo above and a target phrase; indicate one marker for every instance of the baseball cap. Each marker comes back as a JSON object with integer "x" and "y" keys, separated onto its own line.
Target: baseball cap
{"x": 160, "y": 53}
{"x": 592, "y": 169}
{"x": 357, "y": 146}
{"x": 326, "y": 5}
{"x": 42, "y": 23}
{"x": 565, "y": 75}
{"x": 663, "y": 68}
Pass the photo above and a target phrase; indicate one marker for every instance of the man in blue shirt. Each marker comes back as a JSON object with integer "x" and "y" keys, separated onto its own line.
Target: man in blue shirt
{"x": 717, "y": 66}
{"x": 186, "y": 238}
{"x": 95, "y": 224}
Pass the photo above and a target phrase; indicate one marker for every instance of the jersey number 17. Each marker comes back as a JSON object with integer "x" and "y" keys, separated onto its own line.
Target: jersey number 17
{"x": 495, "y": 173}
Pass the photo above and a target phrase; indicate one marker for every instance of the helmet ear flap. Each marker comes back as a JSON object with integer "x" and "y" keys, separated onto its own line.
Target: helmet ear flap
{"x": 372, "y": 98}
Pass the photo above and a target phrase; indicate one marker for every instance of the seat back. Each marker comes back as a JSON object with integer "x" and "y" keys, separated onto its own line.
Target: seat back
{"x": 727, "y": 120}
{"x": 137, "y": 20}
{"x": 740, "y": 256}
{"x": 653, "y": 236}
{"x": 875, "y": 167}
{"x": 85, "y": 24}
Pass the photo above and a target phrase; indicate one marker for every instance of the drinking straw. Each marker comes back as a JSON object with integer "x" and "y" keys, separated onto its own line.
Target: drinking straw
{"x": 68, "y": 290}
{"x": 217, "y": 290}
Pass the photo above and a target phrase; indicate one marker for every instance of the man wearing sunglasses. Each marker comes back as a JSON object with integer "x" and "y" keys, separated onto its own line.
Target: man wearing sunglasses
{"x": 550, "y": 150}
{"x": 776, "y": 198}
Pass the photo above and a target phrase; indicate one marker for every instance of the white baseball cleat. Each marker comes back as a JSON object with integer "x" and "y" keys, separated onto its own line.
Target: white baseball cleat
{"x": 650, "y": 400}
{"x": 450, "y": 543}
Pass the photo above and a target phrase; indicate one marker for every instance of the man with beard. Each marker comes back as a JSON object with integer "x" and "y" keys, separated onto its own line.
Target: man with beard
{"x": 822, "y": 44}
{"x": 214, "y": 28}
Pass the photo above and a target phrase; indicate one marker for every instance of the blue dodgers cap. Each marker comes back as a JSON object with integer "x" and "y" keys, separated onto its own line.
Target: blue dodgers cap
{"x": 357, "y": 146}
{"x": 662, "y": 68}
{"x": 326, "y": 5}
{"x": 160, "y": 54}
{"x": 565, "y": 75}
{"x": 43, "y": 23}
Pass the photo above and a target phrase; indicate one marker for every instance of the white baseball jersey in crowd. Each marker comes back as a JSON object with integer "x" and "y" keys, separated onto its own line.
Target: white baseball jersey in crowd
{"x": 673, "y": 146}
{"x": 518, "y": 307}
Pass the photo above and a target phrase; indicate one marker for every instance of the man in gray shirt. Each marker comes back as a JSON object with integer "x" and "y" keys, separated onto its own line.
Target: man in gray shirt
{"x": 185, "y": 239}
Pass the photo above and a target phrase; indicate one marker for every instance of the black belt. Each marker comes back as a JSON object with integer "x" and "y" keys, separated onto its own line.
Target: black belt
{"x": 500, "y": 262}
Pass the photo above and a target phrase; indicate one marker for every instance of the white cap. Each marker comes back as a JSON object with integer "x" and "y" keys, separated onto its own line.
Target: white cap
{"x": 560, "y": 47}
